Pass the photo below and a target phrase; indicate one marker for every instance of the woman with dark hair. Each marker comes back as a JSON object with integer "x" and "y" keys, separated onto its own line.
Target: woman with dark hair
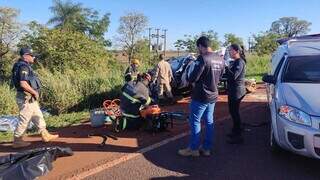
{"x": 236, "y": 90}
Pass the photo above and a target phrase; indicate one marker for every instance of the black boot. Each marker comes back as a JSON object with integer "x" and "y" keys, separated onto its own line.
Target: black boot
{"x": 234, "y": 132}
{"x": 235, "y": 140}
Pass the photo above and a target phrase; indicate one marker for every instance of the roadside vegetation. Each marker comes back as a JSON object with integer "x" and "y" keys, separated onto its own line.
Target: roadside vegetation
{"x": 257, "y": 66}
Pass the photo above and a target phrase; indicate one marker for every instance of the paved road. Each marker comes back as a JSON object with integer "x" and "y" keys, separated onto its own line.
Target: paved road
{"x": 252, "y": 160}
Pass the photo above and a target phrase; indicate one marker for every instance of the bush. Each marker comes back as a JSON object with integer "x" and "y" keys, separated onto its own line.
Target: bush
{"x": 6, "y": 64}
{"x": 62, "y": 50}
{"x": 76, "y": 90}
{"x": 257, "y": 66}
{"x": 8, "y": 100}
{"x": 76, "y": 72}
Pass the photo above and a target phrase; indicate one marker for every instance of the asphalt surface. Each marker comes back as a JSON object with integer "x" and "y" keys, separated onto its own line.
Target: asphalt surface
{"x": 251, "y": 160}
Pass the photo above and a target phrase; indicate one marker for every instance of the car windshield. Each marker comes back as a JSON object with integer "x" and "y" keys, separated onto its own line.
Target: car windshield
{"x": 303, "y": 69}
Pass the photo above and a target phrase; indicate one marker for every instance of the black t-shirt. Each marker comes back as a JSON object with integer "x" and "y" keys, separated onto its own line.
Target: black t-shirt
{"x": 206, "y": 75}
{"x": 236, "y": 79}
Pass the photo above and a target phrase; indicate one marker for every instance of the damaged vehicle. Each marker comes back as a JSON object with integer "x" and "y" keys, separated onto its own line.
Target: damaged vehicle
{"x": 292, "y": 88}
{"x": 181, "y": 66}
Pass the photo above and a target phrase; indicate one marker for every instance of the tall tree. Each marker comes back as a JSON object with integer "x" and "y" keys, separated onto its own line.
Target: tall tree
{"x": 10, "y": 29}
{"x": 67, "y": 15}
{"x": 10, "y": 32}
{"x": 265, "y": 42}
{"x": 189, "y": 43}
{"x": 130, "y": 30}
{"x": 73, "y": 16}
{"x": 290, "y": 26}
{"x": 179, "y": 44}
{"x": 230, "y": 38}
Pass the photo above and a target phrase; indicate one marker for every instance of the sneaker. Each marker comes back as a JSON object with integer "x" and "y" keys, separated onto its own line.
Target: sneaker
{"x": 189, "y": 152}
{"x": 205, "y": 152}
{"x": 235, "y": 140}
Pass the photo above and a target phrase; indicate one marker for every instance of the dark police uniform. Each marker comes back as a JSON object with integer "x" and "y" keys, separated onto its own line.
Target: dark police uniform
{"x": 236, "y": 91}
{"x": 29, "y": 108}
{"x": 22, "y": 71}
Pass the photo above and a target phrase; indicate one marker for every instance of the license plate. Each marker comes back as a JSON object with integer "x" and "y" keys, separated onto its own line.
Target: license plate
{"x": 316, "y": 142}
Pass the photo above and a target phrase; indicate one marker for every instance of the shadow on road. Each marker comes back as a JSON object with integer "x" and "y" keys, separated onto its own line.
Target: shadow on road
{"x": 252, "y": 160}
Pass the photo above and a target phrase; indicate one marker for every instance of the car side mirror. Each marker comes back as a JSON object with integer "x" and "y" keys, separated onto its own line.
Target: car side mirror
{"x": 268, "y": 79}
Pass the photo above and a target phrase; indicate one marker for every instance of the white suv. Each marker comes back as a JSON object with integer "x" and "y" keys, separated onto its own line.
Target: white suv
{"x": 294, "y": 95}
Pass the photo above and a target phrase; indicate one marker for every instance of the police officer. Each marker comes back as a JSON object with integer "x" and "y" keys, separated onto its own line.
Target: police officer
{"x": 135, "y": 96}
{"x": 236, "y": 90}
{"x": 27, "y": 85}
{"x": 133, "y": 70}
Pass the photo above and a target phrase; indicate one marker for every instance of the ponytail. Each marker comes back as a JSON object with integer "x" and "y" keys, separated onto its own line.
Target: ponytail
{"x": 240, "y": 50}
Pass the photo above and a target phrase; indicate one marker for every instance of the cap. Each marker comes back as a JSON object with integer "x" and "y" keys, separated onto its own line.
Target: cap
{"x": 24, "y": 51}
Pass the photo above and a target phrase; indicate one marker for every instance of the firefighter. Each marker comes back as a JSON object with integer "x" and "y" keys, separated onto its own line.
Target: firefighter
{"x": 133, "y": 69}
{"x": 27, "y": 85}
{"x": 135, "y": 96}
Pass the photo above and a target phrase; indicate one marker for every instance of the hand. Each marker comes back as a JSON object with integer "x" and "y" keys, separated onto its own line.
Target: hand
{"x": 36, "y": 96}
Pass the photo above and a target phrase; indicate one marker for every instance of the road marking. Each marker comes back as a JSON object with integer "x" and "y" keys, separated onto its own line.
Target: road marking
{"x": 125, "y": 158}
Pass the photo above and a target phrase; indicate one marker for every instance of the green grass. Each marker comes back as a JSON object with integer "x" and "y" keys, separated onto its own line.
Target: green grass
{"x": 65, "y": 120}
{"x": 6, "y": 136}
{"x": 257, "y": 66}
{"x": 53, "y": 122}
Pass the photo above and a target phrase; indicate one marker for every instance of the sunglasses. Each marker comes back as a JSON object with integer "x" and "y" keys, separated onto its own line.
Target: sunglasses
{"x": 29, "y": 54}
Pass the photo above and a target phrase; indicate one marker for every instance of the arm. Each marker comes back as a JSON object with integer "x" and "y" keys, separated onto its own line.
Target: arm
{"x": 170, "y": 73}
{"x": 197, "y": 71}
{"x": 26, "y": 87}
{"x": 127, "y": 70}
{"x": 235, "y": 71}
{"x": 157, "y": 73}
{"x": 222, "y": 69}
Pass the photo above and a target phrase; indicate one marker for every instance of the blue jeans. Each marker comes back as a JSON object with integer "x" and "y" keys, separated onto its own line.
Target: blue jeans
{"x": 199, "y": 110}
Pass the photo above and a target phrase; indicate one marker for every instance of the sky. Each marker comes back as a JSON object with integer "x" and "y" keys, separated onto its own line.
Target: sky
{"x": 180, "y": 17}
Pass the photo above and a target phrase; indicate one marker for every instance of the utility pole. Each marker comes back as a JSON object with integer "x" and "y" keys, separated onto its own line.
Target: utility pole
{"x": 157, "y": 36}
{"x": 249, "y": 44}
{"x": 164, "y": 36}
{"x": 156, "y": 47}
{"x": 149, "y": 39}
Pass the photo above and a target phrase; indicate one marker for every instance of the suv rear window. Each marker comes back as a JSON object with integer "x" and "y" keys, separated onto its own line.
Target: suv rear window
{"x": 302, "y": 69}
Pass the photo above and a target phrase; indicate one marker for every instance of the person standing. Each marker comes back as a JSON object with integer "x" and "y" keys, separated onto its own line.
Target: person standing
{"x": 206, "y": 74}
{"x": 27, "y": 85}
{"x": 236, "y": 91}
{"x": 163, "y": 76}
{"x": 133, "y": 69}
